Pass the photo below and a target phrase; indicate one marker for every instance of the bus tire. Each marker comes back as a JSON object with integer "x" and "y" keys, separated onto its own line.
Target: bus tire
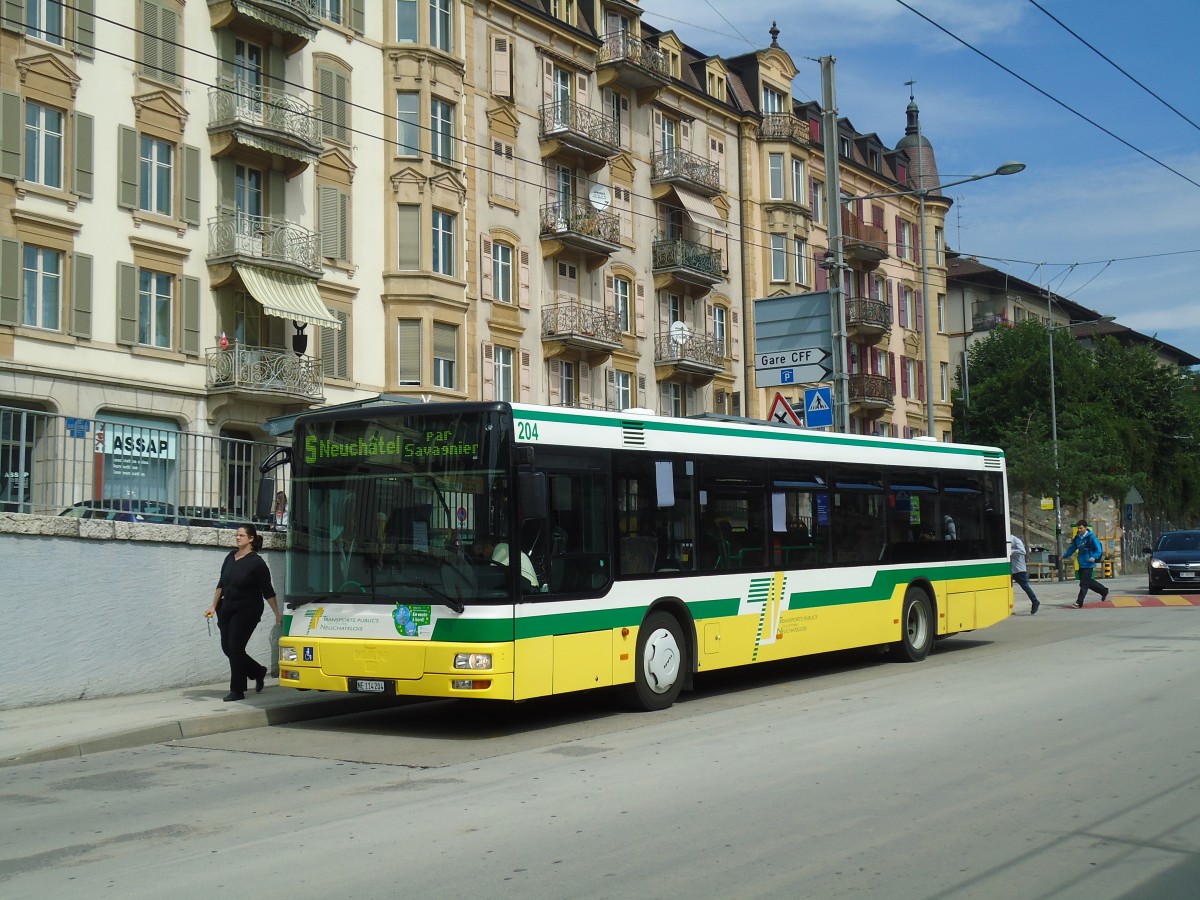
{"x": 916, "y": 627}
{"x": 661, "y": 663}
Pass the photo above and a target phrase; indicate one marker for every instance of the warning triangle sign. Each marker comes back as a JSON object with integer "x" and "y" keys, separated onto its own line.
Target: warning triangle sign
{"x": 782, "y": 412}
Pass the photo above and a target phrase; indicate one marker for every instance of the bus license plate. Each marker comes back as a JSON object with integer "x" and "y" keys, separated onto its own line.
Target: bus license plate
{"x": 1187, "y": 574}
{"x": 371, "y": 686}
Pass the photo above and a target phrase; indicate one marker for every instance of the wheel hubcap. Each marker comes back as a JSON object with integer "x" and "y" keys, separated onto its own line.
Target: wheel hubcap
{"x": 660, "y": 661}
{"x": 916, "y": 625}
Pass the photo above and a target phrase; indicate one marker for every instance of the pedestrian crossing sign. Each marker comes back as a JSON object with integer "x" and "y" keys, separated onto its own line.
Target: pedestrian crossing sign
{"x": 818, "y": 407}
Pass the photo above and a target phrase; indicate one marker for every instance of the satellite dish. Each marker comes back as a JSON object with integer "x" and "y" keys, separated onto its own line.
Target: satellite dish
{"x": 600, "y": 197}
{"x": 679, "y": 333}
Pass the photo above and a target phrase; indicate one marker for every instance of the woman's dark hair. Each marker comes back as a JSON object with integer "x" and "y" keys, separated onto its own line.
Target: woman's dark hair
{"x": 256, "y": 541}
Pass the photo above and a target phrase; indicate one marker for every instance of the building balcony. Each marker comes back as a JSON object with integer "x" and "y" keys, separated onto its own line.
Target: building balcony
{"x": 681, "y": 168}
{"x": 868, "y": 321}
{"x": 251, "y": 116}
{"x": 296, "y": 21}
{"x": 571, "y": 131}
{"x": 989, "y": 314}
{"x": 685, "y": 264}
{"x": 272, "y": 243}
{"x": 571, "y": 325}
{"x": 784, "y": 127}
{"x": 264, "y": 371}
{"x": 577, "y": 225}
{"x": 630, "y": 62}
{"x": 871, "y": 393}
{"x": 684, "y": 351}
{"x": 862, "y": 242}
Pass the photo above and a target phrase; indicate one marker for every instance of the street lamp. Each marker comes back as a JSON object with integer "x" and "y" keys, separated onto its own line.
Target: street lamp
{"x": 1050, "y": 329}
{"x": 1009, "y": 168}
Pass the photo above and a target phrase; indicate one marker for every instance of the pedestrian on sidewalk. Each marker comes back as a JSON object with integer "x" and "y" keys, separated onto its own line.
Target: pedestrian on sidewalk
{"x": 1020, "y": 575}
{"x": 238, "y": 605}
{"x": 1090, "y": 553}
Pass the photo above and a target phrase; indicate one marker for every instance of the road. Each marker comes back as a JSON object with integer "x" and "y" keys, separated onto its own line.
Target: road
{"x": 1055, "y": 756}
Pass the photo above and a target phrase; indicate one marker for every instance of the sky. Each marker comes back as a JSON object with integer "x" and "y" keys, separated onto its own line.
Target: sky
{"x": 1095, "y": 220}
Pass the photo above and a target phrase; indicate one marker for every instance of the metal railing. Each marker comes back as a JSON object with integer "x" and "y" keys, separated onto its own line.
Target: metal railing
{"x": 113, "y": 470}
{"x": 668, "y": 164}
{"x": 577, "y": 217}
{"x": 871, "y": 388}
{"x": 684, "y": 254}
{"x": 573, "y": 318}
{"x": 568, "y": 116}
{"x": 689, "y": 346}
{"x": 783, "y": 127}
{"x": 233, "y": 101}
{"x": 266, "y": 369}
{"x": 260, "y": 237}
{"x": 621, "y": 46}
{"x": 856, "y": 230}
{"x": 864, "y": 311}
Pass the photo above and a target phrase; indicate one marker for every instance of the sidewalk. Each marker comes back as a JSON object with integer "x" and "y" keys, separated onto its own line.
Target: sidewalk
{"x": 64, "y": 730}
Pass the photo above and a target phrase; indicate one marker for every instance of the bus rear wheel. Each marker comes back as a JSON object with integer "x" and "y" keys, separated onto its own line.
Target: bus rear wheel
{"x": 661, "y": 663}
{"x": 916, "y": 627}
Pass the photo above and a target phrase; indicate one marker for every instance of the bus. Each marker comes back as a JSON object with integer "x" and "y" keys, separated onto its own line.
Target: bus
{"x": 505, "y": 552}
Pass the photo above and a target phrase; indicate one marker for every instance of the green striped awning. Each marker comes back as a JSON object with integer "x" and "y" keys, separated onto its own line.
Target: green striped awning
{"x": 287, "y": 296}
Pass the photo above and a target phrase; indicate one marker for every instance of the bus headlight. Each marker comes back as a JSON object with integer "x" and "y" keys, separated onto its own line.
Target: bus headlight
{"x": 473, "y": 661}
{"x": 1157, "y": 564}
{"x": 287, "y": 654}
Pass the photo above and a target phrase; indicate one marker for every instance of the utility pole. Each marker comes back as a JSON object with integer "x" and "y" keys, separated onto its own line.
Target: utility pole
{"x": 833, "y": 258}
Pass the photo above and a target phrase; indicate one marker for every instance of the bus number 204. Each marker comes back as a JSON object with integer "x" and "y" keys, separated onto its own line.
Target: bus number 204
{"x": 527, "y": 431}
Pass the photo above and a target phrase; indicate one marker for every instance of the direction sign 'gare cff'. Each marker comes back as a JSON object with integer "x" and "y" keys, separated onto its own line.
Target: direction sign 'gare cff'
{"x": 786, "y": 359}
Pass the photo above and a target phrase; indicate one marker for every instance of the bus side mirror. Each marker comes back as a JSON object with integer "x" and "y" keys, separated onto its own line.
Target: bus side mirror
{"x": 265, "y": 505}
{"x": 532, "y": 495}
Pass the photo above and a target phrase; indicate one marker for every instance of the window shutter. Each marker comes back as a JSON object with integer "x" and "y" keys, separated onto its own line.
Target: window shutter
{"x": 581, "y": 88}
{"x": 325, "y": 98}
{"x": 11, "y": 134}
{"x": 342, "y": 342}
{"x": 327, "y": 204}
{"x": 82, "y": 142}
{"x": 523, "y": 290}
{"x": 639, "y": 292}
{"x": 485, "y": 268}
{"x": 341, "y": 86}
{"x": 487, "y": 372}
{"x": 735, "y": 330}
{"x": 81, "y": 295}
{"x": 920, "y": 312}
{"x": 168, "y": 50}
{"x": 820, "y": 279}
{"x": 409, "y": 228}
{"x": 585, "y": 385}
{"x": 610, "y": 299}
{"x": 150, "y": 32}
{"x": 892, "y": 370}
{"x": 327, "y": 347}
{"x": 641, "y": 391}
{"x": 526, "y": 377}
{"x": 685, "y": 135}
{"x": 891, "y": 309}
{"x": 127, "y": 163}
{"x": 547, "y": 90}
{"x": 920, "y": 380}
{"x": 343, "y": 225}
{"x": 126, "y": 304}
{"x": 358, "y": 16}
{"x": 554, "y": 369}
{"x": 14, "y": 16}
{"x": 190, "y": 343}
{"x": 899, "y": 238}
{"x": 408, "y": 352}
{"x": 656, "y": 130}
{"x": 191, "y": 185}
{"x": 501, "y": 67}
{"x": 903, "y": 376}
{"x": 664, "y": 399}
{"x": 903, "y": 305}
{"x": 623, "y": 101}
{"x": 610, "y": 388}
{"x": 10, "y": 281}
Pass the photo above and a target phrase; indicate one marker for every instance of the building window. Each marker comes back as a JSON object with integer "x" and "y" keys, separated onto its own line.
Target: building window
{"x": 502, "y": 273}
{"x": 778, "y": 257}
{"x": 503, "y": 170}
{"x": 908, "y": 380}
{"x": 443, "y": 243}
{"x": 621, "y": 304}
{"x": 155, "y": 292}
{"x": 798, "y": 182}
{"x": 944, "y": 380}
{"x": 503, "y": 373}
{"x": 673, "y": 395}
{"x": 408, "y": 352}
{"x": 622, "y": 390}
{"x": 440, "y": 24}
{"x": 567, "y": 387}
{"x": 406, "y": 21}
{"x": 904, "y": 240}
{"x": 775, "y": 169}
{"x": 44, "y": 19}
{"x": 43, "y": 145}
{"x": 800, "y": 256}
{"x": 408, "y": 226}
{"x": 816, "y": 200}
{"x": 408, "y": 125}
{"x": 445, "y": 355}
{"x": 156, "y": 175}
{"x": 908, "y": 308}
{"x": 772, "y": 101}
{"x": 720, "y": 331}
{"x": 939, "y": 245}
{"x": 332, "y": 10}
{"x": 845, "y": 147}
{"x": 441, "y": 129}
{"x": 41, "y": 290}
{"x": 564, "y": 10}
{"x": 941, "y": 313}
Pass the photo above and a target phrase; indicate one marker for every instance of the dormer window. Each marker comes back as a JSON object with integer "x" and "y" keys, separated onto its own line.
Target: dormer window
{"x": 873, "y": 159}
{"x": 716, "y": 86}
{"x": 564, "y": 10}
{"x": 845, "y": 147}
{"x": 772, "y": 101}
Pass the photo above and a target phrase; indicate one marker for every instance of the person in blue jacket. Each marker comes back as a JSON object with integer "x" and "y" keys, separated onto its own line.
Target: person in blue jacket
{"x": 1090, "y": 553}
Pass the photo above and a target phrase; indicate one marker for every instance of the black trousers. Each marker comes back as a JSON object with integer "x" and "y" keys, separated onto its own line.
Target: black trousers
{"x": 1088, "y": 583}
{"x": 237, "y": 625}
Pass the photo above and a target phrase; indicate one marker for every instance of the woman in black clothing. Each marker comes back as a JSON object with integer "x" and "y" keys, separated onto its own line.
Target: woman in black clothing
{"x": 238, "y": 605}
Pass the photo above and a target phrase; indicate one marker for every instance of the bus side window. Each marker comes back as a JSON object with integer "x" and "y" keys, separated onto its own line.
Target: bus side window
{"x": 655, "y": 514}
{"x": 570, "y": 548}
{"x": 799, "y": 520}
{"x": 859, "y": 516}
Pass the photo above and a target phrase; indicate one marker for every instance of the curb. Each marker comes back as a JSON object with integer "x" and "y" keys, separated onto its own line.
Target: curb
{"x": 202, "y": 726}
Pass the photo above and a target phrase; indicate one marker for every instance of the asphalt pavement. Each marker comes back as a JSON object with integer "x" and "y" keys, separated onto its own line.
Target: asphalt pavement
{"x": 82, "y": 727}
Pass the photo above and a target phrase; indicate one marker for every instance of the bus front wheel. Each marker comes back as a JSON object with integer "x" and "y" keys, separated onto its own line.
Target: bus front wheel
{"x": 916, "y": 627}
{"x": 661, "y": 663}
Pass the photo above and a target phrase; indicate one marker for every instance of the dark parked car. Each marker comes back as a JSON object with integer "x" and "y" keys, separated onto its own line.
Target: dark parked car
{"x": 124, "y": 510}
{"x": 209, "y": 517}
{"x": 1175, "y": 561}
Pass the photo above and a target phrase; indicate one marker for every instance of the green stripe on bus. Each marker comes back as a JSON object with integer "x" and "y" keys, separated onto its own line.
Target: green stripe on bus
{"x": 774, "y": 434}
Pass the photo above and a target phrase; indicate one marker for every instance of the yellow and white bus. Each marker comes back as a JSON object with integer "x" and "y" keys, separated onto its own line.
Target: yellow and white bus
{"x": 504, "y": 551}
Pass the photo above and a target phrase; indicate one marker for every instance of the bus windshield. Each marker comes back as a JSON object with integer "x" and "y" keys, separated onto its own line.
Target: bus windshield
{"x": 401, "y": 508}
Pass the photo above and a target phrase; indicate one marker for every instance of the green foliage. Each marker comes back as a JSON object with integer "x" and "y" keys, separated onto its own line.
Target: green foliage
{"x": 1123, "y": 419}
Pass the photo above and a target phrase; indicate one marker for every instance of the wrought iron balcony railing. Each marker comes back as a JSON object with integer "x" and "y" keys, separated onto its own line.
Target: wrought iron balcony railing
{"x": 569, "y": 117}
{"x": 574, "y": 319}
{"x": 684, "y": 165}
{"x": 621, "y": 46}
{"x": 234, "y": 102}
{"x": 861, "y": 311}
{"x": 783, "y": 127}
{"x": 685, "y": 345}
{"x": 578, "y": 217}
{"x": 872, "y": 389}
{"x": 685, "y": 254}
{"x": 233, "y": 234}
{"x": 264, "y": 369}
